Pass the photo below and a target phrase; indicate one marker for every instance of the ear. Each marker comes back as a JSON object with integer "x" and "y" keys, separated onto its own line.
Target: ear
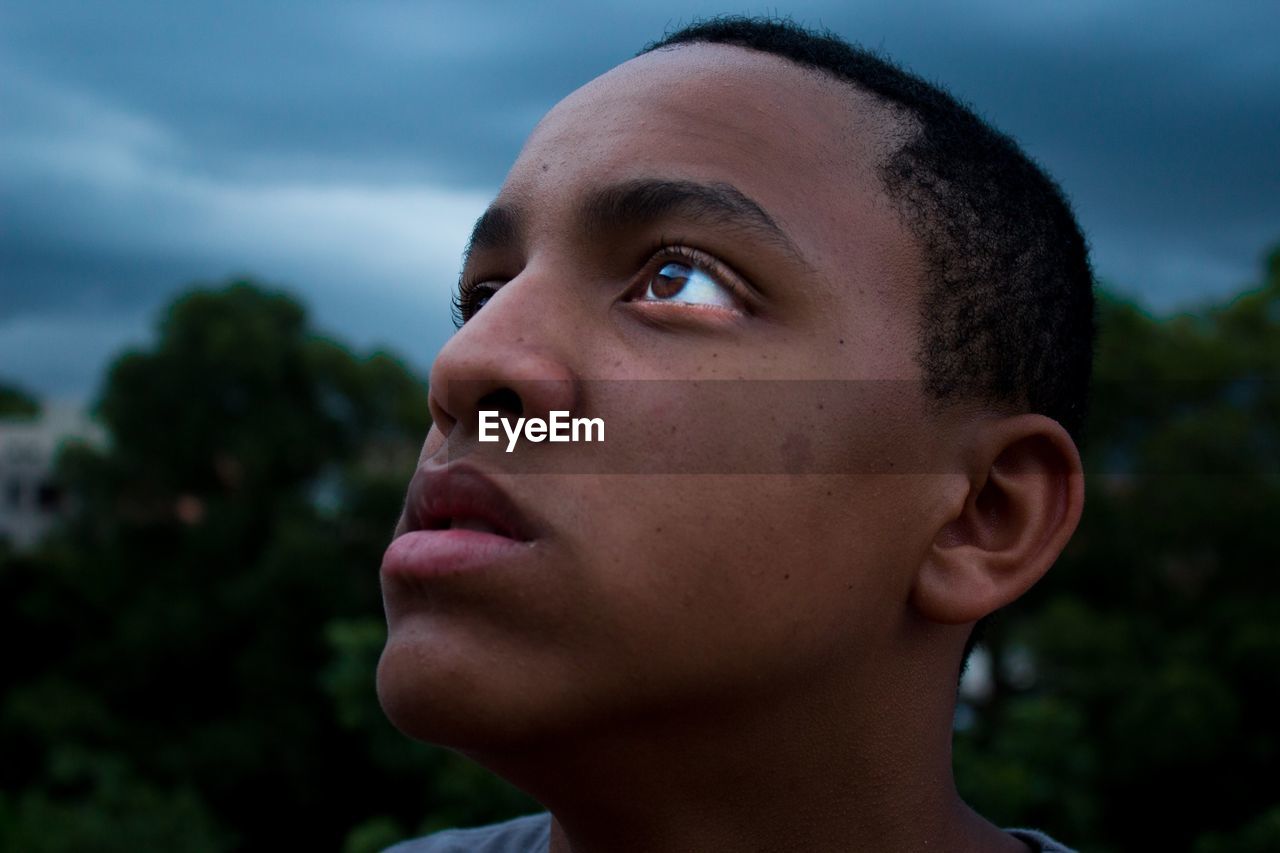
{"x": 1024, "y": 499}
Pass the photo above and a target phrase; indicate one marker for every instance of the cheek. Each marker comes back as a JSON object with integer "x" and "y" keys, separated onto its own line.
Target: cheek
{"x": 715, "y": 573}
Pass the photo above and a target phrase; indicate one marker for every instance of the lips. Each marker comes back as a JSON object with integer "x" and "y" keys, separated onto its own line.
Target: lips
{"x": 458, "y": 497}
{"x": 457, "y": 523}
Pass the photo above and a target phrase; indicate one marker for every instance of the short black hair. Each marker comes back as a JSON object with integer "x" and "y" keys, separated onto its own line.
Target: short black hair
{"x": 1007, "y": 311}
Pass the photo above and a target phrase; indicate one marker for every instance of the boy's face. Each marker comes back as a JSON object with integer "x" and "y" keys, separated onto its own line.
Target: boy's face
{"x": 662, "y": 593}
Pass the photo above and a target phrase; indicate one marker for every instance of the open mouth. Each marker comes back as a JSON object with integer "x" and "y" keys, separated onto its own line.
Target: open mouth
{"x": 479, "y": 525}
{"x": 459, "y": 497}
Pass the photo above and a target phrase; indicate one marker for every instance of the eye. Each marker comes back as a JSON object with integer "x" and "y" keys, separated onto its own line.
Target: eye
{"x": 470, "y": 298}
{"x": 687, "y": 283}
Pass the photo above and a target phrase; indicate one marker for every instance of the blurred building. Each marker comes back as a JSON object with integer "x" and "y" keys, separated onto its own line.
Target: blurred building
{"x": 30, "y": 500}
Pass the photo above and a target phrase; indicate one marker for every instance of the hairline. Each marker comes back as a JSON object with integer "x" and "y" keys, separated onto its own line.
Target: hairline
{"x": 889, "y": 145}
{"x": 901, "y": 125}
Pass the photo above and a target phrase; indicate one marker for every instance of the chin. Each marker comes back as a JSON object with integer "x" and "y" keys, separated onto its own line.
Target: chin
{"x": 468, "y": 708}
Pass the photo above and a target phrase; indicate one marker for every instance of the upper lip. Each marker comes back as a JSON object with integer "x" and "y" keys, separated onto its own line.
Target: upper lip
{"x": 440, "y": 496}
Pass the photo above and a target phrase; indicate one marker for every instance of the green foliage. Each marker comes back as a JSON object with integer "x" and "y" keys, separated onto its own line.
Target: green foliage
{"x": 17, "y": 403}
{"x": 373, "y": 835}
{"x": 1151, "y": 722}
{"x": 95, "y": 802}
{"x": 1260, "y": 835}
{"x": 239, "y": 394}
{"x": 198, "y": 643}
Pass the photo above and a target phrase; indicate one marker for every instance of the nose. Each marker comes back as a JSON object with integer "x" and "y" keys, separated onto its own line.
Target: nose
{"x": 514, "y": 355}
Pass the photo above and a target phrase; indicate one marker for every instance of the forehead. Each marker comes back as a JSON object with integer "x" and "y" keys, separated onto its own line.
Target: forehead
{"x": 804, "y": 146}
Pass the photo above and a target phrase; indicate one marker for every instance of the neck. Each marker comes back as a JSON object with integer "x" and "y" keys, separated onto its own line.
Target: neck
{"x": 798, "y": 775}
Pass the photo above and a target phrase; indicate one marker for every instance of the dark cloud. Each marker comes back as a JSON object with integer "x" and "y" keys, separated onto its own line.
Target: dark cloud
{"x": 343, "y": 149}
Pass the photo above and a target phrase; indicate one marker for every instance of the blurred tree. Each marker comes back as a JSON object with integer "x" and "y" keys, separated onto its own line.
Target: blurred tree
{"x": 16, "y": 402}
{"x": 1150, "y": 724}
{"x": 169, "y": 694}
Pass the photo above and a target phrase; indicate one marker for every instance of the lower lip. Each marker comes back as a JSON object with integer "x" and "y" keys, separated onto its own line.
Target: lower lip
{"x": 436, "y": 553}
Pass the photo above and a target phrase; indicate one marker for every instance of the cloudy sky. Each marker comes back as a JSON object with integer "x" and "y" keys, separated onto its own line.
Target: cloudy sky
{"x": 342, "y": 150}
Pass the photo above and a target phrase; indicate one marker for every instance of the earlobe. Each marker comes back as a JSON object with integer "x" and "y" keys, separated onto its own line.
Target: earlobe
{"x": 1025, "y": 497}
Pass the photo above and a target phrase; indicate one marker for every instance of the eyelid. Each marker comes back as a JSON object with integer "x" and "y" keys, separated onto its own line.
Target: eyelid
{"x": 720, "y": 272}
{"x": 469, "y": 287}
{"x": 667, "y": 251}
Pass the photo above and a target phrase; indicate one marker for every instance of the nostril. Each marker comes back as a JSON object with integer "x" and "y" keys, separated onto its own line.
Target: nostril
{"x": 504, "y": 400}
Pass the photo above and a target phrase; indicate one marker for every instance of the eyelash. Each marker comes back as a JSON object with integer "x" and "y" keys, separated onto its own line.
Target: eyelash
{"x": 462, "y": 304}
{"x": 665, "y": 251}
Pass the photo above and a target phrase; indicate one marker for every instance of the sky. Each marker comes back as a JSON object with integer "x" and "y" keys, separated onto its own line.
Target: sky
{"x": 342, "y": 150}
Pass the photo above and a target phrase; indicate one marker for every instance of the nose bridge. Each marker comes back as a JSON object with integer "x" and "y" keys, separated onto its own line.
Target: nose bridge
{"x": 513, "y": 355}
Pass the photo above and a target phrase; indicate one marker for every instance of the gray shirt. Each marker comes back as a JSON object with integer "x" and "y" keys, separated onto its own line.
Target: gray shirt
{"x": 532, "y": 834}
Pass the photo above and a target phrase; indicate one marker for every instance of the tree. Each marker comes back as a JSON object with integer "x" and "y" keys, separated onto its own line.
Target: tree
{"x": 171, "y": 692}
{"x": 1151, "y": 721}
{"x": 16, "y": 402}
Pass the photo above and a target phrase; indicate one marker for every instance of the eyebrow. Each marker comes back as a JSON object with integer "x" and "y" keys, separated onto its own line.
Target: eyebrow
{"x": 645, "y": 201}
{"x": 498, "y": 226}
